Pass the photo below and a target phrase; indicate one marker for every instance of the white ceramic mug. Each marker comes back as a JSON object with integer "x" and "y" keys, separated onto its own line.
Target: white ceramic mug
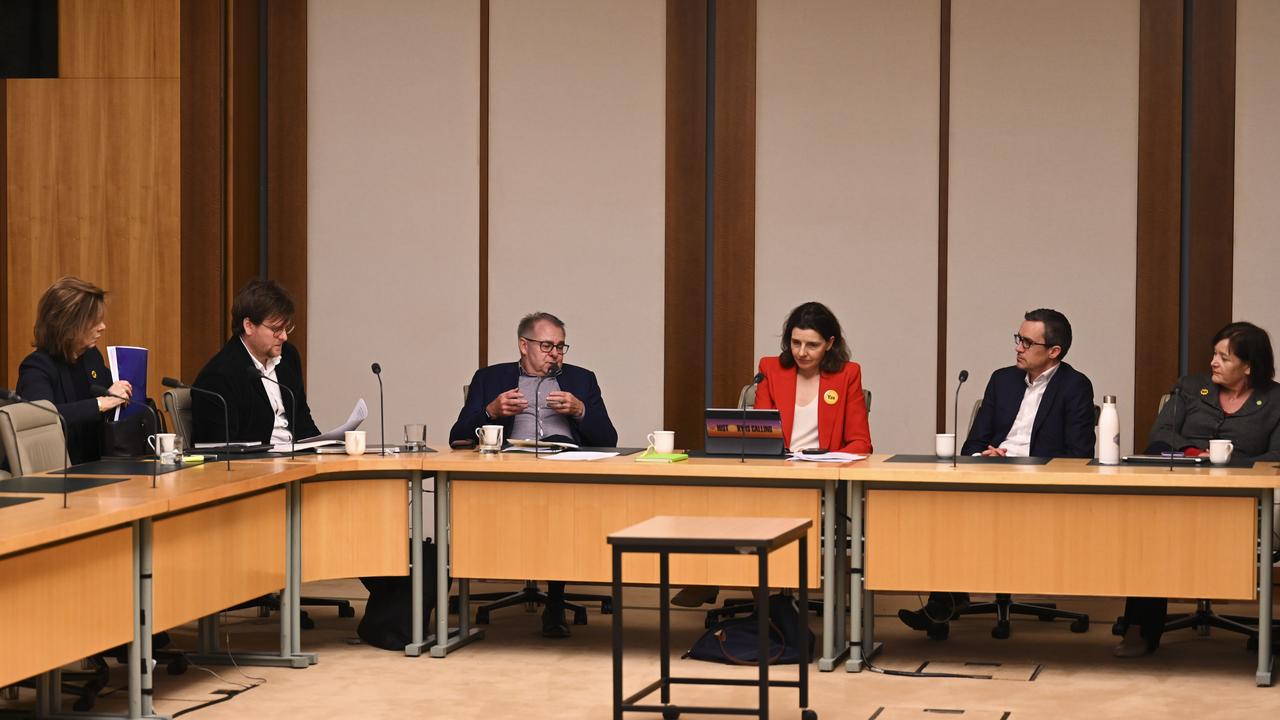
{"x": 415, "y": 436}
{"x": 944, "y": 444}
{"x": 354, "y": 441}
{"x": 662, "y": 442}
{"x": 1220, "y": 451}
{"x": 490, "y": 437}
{"x": 162, "y": 443}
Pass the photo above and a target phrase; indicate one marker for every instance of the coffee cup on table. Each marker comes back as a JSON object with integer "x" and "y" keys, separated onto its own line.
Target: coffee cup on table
{"x": 1220, "y": 451}
{"x": 944, "y": 445}
{"x": 162, "y": 443}
{"x": 662, "y": 442}
{"x": 354, "y": 441}
{"x": 490, "y": 437}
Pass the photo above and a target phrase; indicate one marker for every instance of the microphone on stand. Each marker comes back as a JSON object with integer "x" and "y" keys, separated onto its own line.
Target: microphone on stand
{"x": 293, "y": 406}
{"x": 955, "y": 418}
{"x": 14, "y": 397}
{"x": 382, "y": 415}
{"x": 552, "y": 372}
{"x": 226, "y": 415}
{"x": 742, "y": 431}
{"x": 99, "y": 391}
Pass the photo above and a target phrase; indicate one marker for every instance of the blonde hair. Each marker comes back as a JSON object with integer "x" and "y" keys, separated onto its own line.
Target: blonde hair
{"x": 65, "y": 312}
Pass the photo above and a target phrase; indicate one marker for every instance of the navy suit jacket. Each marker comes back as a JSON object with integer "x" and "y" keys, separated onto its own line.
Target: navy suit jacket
{"x": 43, "y": 377}
{"x": 1064, "y": 422}
{"x": 593, "y": 430}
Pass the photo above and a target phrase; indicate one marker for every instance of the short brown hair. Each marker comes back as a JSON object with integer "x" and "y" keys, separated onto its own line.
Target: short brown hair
{"x": 66, "y": 310}
{"x": 259, "y": 300}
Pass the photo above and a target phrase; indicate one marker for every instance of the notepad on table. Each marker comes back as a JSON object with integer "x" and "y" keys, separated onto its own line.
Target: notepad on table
{"x": 654, "y": 457}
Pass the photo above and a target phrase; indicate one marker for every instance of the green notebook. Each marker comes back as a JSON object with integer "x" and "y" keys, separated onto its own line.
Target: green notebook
{"x": 654, "y": 457}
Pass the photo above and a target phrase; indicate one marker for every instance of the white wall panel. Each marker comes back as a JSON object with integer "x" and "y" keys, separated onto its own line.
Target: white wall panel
{"x": 847, "y": 192}
{"x": 577, "y": 143}
{"x": 1044, "y": 117}
{"x": 1257, "y": 232}
{"x": 393, "y": 117}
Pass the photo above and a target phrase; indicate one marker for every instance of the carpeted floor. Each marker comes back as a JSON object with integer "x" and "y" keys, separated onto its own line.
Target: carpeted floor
{"x": 1042, "y": 671}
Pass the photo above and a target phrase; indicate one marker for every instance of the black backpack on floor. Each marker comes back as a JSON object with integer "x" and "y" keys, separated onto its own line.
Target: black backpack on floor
{"x": 736, "y": 641}
{"x": 388, "y": 616}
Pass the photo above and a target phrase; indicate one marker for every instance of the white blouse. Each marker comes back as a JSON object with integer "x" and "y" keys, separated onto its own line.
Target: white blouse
{"x": 804, "y": 427}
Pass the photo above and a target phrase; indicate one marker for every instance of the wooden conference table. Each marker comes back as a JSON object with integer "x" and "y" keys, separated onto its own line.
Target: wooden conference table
{"x": 207, "y": 538}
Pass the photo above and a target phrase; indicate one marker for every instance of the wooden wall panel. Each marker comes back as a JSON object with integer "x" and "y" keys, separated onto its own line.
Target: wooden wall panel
{"x": 204, "y": 299}
{"x": 685, "y": 304}
{"x": 1211, "y": 180}
{"x": 1159, "y": 209}
{"x": 734, "y": 196}
{"x": 93, "y": 191}
{"x": 118, "y": 38}
{"x": 287, "y": 154}
{"x": 243, "y": 146}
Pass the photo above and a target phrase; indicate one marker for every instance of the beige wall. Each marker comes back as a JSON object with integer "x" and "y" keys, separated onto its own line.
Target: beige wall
{"x": 846, "y": 180}
{"x": 1257, "y": 233}
{"x": 1044, "y": 116}
{"x": 577, "y": 142}
{"x": 393, "y": 208}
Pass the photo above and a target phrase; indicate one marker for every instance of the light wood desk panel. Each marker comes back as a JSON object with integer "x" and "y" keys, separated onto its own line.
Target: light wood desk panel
{"x": 64, "y": 602}
{"x": 1061, "y": 544}
{"x": 213, "y": 557}
{"x": 506, "y": 529}
{"x": 354, "y": 527}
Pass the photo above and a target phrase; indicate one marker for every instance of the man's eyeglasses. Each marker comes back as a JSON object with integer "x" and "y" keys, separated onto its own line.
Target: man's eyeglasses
{"x": 281, "y": 329}
{"x": 1026, "y": 343}
{"x": 547, "y": 346}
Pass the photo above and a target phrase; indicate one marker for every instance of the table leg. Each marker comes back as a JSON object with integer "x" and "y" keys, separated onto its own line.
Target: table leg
{"x": 1265, "y": 503}
{"x": 762, "y": 627}
{"x": 804, "y": 604}
{"x": 443, "y": 642}
{"x": 617, "y": 633}
{"x": 417, "y": 643}
{"x": 664, "y": 624}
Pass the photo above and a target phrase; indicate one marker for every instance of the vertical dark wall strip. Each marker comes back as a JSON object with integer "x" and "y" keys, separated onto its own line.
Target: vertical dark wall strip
{"x": 709, "y": 194}
{"x": 1184, "y": 233}
{"x": 1211, "y": 182}
{"x": 4, "y": 231}
{"x": 685, "y": 302}
{"x": 482, "y": 303}
{"x": 1156, "y": 323}
{"x": 944, "y": 200}
{"x": 203, "y": 202}
{"x": 734, "y": 211}
{"x": 284, "y": 255}
{"x": 264, "y": 95}
{"x": 244, "y": 145}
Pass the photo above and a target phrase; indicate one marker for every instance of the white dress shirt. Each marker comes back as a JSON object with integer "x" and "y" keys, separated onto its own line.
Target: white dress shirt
{"x": 280, "y": 433}
{"x": 1018, "y": 441}
{"x": 804, "y": 426}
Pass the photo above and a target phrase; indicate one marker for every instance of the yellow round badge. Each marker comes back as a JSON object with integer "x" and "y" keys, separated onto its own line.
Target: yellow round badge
{"x": 93, "y": 374}
{"x": 830, "y": 397}
{"x": 1204, "y": 391}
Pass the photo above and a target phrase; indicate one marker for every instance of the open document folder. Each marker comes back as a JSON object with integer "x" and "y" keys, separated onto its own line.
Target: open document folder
{"x": 336, "y": 435}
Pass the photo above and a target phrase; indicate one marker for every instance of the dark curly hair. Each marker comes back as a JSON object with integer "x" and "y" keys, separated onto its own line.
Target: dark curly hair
{"x": 815, "y": 316}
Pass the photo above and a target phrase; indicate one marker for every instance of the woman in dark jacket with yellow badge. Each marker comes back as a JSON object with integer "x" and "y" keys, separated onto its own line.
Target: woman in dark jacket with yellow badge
{"x": 70, "y": 317}
{"x": 1239, "y": 401}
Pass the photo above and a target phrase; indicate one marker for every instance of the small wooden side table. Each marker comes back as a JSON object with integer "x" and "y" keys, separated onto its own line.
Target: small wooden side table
{"x": 665, "y": 535}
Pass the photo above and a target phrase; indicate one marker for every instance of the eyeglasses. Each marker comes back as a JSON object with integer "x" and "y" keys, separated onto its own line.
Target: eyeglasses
{"x": 281, "y": 329}
{"x": 1026, "y": 343}
{"x": 547, "y": 346}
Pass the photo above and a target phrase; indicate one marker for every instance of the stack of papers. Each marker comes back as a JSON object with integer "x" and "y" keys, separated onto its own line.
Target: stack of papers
{"x": 581, "y": 455}
{"x": 833, "y": 457}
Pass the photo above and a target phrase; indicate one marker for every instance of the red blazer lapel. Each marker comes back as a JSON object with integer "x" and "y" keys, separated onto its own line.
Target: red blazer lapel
{"x": 829, "y": 412}
{"x": 783, "y": 385}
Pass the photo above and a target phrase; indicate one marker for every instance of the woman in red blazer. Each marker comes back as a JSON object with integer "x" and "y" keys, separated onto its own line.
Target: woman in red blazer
{"x": 814, "y": 386}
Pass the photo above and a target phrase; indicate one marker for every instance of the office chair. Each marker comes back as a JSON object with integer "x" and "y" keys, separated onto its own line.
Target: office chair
{"x": 530, "y": 595}
{"x": 1203, "y": 617}
{"x": 738, "y": 606}
{"x": 1003, "y": 605}
{"x": 177, "y": 403}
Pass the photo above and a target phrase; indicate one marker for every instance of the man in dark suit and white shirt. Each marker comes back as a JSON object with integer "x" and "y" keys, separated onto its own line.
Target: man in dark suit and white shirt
{"x": 1038, "y": 407}
{"x": 539, "y": 389}
{"x": 258, "y": 410}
